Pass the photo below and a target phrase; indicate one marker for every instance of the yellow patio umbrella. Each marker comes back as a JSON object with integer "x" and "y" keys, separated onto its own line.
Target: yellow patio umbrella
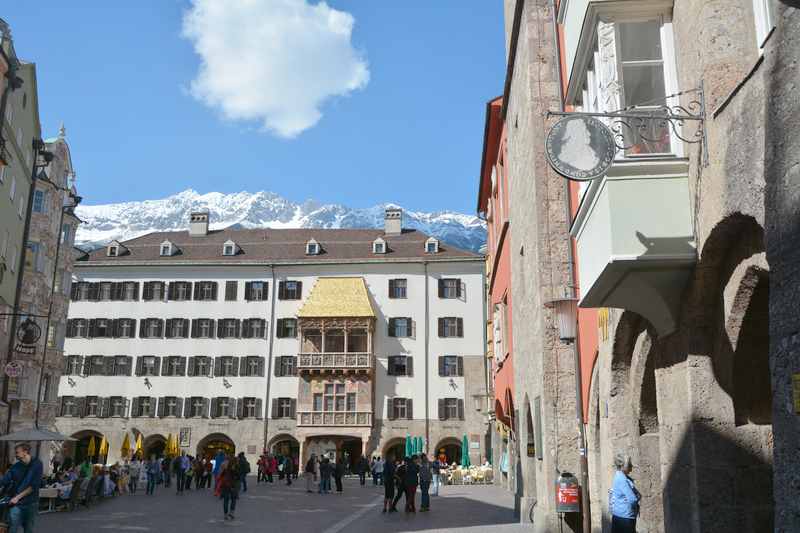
{"x": 126, "y": 446}
{"x": 103, "y": 447}
{"x": 139, "y": 446}
{"x": 168, "y": 447}
{"x": 90, "y": 451}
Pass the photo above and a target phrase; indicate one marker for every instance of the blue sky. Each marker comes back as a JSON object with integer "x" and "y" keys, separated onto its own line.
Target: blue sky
{"x": 403, "y": 124}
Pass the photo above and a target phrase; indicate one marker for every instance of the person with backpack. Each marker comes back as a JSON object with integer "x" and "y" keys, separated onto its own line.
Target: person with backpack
{"x": 388, "y": 485}
{"x": 244, "y": 469}
{"x": 22, "y": 482}
{"x": 425, "y": 475}
{"x": 229, "y": 483}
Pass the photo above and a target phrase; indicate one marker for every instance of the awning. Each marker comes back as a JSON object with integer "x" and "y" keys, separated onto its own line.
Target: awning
{"x": 337, "y": 298}
{"x": 34, "y": 435}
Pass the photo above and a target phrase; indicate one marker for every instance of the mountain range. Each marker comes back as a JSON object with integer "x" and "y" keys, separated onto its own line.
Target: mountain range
{"x": 122, "y": 221}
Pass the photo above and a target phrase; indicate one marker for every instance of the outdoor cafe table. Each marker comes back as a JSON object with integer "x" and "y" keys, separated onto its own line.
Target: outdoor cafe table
{"x": 51, "y": 495}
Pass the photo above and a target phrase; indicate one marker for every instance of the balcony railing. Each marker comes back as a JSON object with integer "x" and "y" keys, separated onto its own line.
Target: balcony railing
{"x": 335, "y": 361}
{"x": 334, "y": 418}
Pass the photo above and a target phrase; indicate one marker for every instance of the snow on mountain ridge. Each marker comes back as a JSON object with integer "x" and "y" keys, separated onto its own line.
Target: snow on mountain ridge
{"x": 122, "y": 221}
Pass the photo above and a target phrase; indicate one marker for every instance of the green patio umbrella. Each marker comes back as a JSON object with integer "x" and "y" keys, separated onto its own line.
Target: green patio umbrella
{"x": 420, "y": 445}
{"x": 465, "y": 452}
{"x": 409, "y": 447}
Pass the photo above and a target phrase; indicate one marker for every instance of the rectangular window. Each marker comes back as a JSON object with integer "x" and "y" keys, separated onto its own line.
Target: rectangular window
{"x": 125, "y": 328}
{"x": 249, "y": 410}
{"x": 197, "y": 406}
{"x": 287, "y": 365}
{"x": 287, "y": 328}
{"x": 73, "y": 366}
{"x": 145, "y": 406}
{"x": 317, "y": 402}
{"x": 92, "y": 406}
{"x": 180, "y": 290}
{"x": 334, "y": 398}
{"x": 81, "y": 329}
{"x": 397, "y": 365}
{"x": 284, "y": 408}
{"x": 228, "y": 366}
{"x": 400, "y": 327}
{"x": 106, "y": 290}
{"x": 451, "y": 327}
{"x": 202, "y": 366}
{"x": 451, "y": 408}
{"x": 351, "y": 402}
{"x": 149, "y": 365}
{"x": 398, "y": 288}
{"x": 51, "y": 336}
{"x": 254, "y": 328}
{"x": 223, "y": 407}
{"x": 122, "y": 365}
{"x": 39, "y": 201}
{"x": 255, "y": 291}
{"x": 171, "y": 406}
{"x": 117, "y": 406}
{"x": 205, "y": 290}
{"x": 450, "y": 288}
{"x": 45, "y": 388}
{"x": 230, "y": 329}
{"x": 252, "y": 366}
{"x": 230, "y": 290}
{"x": 290, "y": 290}
{"x": 69, "y": 406}
{"x": 130, "y": 291}
{"x": 451, "y": 366}
{"x": 400, "y": 408}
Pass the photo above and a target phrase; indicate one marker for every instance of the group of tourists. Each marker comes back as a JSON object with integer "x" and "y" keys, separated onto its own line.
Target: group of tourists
{"x": 269, "y": 465}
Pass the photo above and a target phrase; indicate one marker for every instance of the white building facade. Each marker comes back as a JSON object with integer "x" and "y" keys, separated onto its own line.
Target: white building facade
{"x": 293, "y": 341}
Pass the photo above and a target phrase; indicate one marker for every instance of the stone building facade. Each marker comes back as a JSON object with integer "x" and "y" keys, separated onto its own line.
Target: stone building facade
{"x": 684, "y": 250}
{"x": 295, "y": 341}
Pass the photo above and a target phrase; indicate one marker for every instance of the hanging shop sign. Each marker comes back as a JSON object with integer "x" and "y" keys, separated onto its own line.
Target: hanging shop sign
{"x": 28, "y": 334}
{"x": 580, "y": 148}
{"x": 13, "y": 369}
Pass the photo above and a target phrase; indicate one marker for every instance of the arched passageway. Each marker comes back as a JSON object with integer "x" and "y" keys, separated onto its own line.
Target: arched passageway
{"x": 213, "y": 443}
{"x": 449, "y": 450}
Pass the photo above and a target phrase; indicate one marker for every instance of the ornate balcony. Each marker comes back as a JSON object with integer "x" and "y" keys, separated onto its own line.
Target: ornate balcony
{"x": 635, "y": 240}
{"x": 334, "y": 361}
{"x": 334, "y": 418}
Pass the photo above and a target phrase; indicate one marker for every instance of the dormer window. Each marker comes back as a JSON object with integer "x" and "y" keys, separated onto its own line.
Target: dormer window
{"x": 166, "y": 249}
{"x": 115, "y": 249}
{"x": 312, "y": 247}
{"x": 432, "y": 246}
{"x": 229, "y": 248}
{"x": 379, "y": 246}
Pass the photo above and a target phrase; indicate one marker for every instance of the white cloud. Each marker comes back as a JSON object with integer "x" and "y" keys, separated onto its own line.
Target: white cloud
{"x": 274, "y": 61}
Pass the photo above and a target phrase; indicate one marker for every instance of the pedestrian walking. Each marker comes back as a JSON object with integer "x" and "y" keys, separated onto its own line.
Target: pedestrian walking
{"x": 399, "y": 481}
{"x": 436, "y": 471}
{"x": 244, "y": 469}
{"x": 623, "y": 498}
{"x": 188, "y": 473}
{"x": 199, "y": 471}
{"x": 229, "y": 482}
{"x": 362, "y": 467}
{"x": 377, "y": 471}
{"x": 410, "y": 483}
{"x": 388, "y": 485}
{"x": 165, "y": 471}
{"x": 338, "y": 473}
{"x": 325, "y": 472}
{"x": 179, "y": 471}
{"x": 153, "y": 473}
{"x": 288, "y": 469}
{"x": 21, "y": 483}
{"x": 425, "y": 475}
{"x": 134, "y": 471}
{"x": 261, "y": 468}
{"x": 310, "y": 472}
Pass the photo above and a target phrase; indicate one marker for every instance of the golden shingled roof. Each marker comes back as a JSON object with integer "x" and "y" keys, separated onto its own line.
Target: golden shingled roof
{"x": 337, "y": 297}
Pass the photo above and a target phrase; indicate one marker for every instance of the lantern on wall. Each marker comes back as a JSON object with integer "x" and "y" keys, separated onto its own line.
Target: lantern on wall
{"x": 566, "y": 317}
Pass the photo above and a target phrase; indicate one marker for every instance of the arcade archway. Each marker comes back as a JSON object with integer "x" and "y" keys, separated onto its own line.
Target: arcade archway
{"x": 450, "y": 448}
{"x": 213, "y": 443}
{"x": 78, "y": 449}
{"x": 154, "y": 445}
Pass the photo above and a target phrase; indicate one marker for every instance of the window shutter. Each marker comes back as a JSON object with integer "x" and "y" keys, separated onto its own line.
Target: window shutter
{"x": 458, "y": 288}
{"x": 139, "y": 365}
{"x": 299, "y": 290}
{"x": 70, "y": 328}
{"x": 171, "y": 290}
{"x": 441, "y": 288}
{"x": 151, "y": 411}
{"x": 194, "y": 328}
{"x": 92, "y": 324}
{"x": 168, "y": 332}
{"x": 409, "y": 409}
{"x": 160, "y": 329}
{"x": 105, "y": 407}
{"x": 129, "y": 366}
{"x": 246, "y": 328}
{"x": 135, "y": 290}
{"x": 391, "y": 288}
{"x": 108, "y": 366}
{"x": 442, "y": 410}
{"x": 282, "y": 290}
{"x": 116, "y": 291}
{"x": 217, "y": 366}
{"x": 94, "y": 291}
{"x": 215, "y": 408}
{"x": 460, "y": 323}
{"x": 275, "y": 408}
{"x": 392, "y": 327}
{"x": 162, "y": 406}
{"x": 220, "y": 331}
{"x": 80, "y": 406}
{"x": 211, "y": 328}
{"x": 242, "y": 366}
{"x": 390, "y": 408}
{"x": 196, "y": 294}
{"x": 206, "y": 405}
{"x": 261, "y": 366}
{"x": 147, "y": 291}
{"x": 186, "y": 326}
{"x": 460, "y": 365}
{"x": 409, "y": 366}
{"x": 73, "y": 292}
{"x": 460, "y": 409}
{"x": 115, "y": 328}
{"x": 248, "y": 287}
{"x": 135, "y": 407}
{"x": 441, "y": 366}
{"x": 238, "y": 328}
{"x": 293, "y": 408}
{"x": 259, "y": 408}
{"x": 143, "y": 328}
{"x": 192, "y": 366}
{"x": 214, "y": 290}
{"x": 441, "y": 327}
{"x": 276, "y": 369}
{"x": 280, "y": 333}
{"x": 157, "y": 366}
{"x": 182, "y": 366}
{"x": 235, "y": 365}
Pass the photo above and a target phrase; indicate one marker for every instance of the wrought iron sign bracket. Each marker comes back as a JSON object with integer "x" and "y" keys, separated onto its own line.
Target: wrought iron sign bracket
{"x": 634, "y": 125}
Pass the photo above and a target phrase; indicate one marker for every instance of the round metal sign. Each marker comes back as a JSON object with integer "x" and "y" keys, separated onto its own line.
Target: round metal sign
{"x": 13, "y": 369}
{"x": 580, "y": 148}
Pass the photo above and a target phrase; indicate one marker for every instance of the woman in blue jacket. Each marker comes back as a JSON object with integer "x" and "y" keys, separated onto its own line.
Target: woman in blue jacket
{"x": 623, "y": 498}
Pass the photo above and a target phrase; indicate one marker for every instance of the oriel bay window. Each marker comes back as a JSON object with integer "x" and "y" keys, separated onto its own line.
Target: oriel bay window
{"x": 357, "y": 341}
{"x": 203, "y": 328}
{"x": 334, "y": 341}
{"x": 451, "y": 409}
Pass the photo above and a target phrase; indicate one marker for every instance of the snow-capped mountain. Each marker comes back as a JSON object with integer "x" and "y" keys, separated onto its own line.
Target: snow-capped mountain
{"x": 104, "y": 223}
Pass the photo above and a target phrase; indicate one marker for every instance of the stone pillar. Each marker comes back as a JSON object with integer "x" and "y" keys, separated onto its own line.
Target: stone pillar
{"x": 782, "y": 236}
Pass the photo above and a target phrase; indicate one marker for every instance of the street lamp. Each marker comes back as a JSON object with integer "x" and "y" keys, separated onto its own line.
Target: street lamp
{"x": 567, "y": 317}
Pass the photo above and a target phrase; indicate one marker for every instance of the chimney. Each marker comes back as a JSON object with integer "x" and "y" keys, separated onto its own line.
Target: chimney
{"x": 393, "y": 221}
{"x": 198, "y": 224}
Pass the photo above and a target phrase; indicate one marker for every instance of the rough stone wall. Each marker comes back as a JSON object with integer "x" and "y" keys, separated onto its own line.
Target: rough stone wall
{"x": 783, "y": 253}
{"x": 544, "y": 367}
